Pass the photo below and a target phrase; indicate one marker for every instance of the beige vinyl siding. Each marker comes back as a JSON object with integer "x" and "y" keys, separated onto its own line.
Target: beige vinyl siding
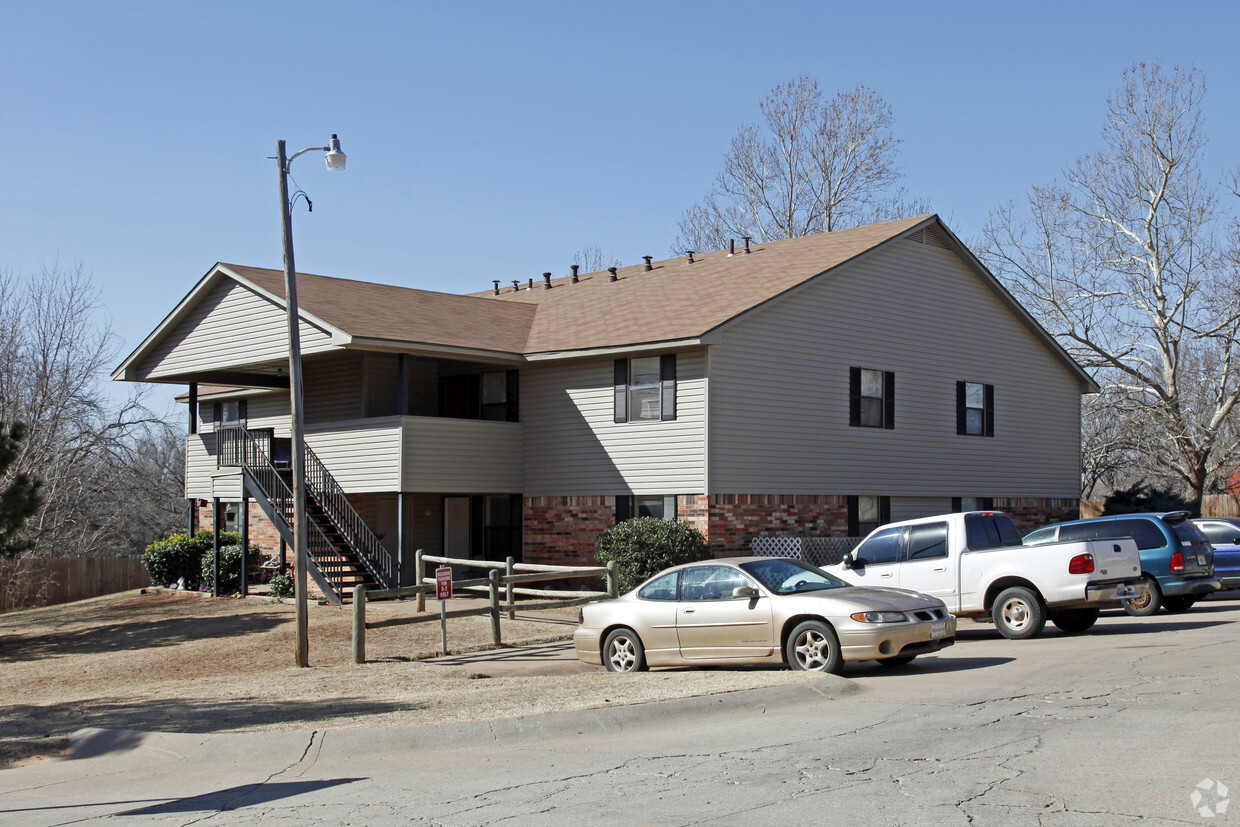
{"x": 910, "y": 508}
{"x": 199, "y": 464}
{"x": 573, "y": 446}
{"x": 780, "y": 389}
{"x": 231, "y": 326}
{"x": 334, "y": 387}
{"x": 461, "y": 456}
{"x": 363, "y": 455}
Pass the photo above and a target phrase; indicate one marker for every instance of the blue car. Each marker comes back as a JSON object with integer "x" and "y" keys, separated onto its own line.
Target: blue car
{"x": 1224, "y": 534}
{"x": 1177, "y": 563}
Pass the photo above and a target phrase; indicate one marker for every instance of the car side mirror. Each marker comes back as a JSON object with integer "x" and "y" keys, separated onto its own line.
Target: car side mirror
{"x": 745, "y": 592}
{"x": 1236, "y": 541}
{"x": 848, "y": 562}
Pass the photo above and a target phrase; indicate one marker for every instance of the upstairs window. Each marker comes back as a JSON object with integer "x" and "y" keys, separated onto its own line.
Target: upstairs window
{"x": 230, "y": 414}
{"x": 975, "y": 409}
{"x": 645, "y": 388}
{"x": 493, "y": 395}
{"x": 872, "y": 398}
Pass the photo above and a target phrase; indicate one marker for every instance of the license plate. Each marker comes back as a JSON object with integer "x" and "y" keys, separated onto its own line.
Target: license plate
{"x": 938, "y": 630}
{"x": 1202, "y": 560}
{"x": 1124, "y": 592}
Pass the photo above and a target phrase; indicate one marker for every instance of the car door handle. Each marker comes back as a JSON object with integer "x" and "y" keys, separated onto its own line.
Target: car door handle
{"x": 940, "y": 568}
{"x": 688, "y": 611}
{"x": 886, "y": 574}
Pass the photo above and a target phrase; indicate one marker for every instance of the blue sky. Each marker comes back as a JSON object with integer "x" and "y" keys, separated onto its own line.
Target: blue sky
{"x": 494, "y": 139}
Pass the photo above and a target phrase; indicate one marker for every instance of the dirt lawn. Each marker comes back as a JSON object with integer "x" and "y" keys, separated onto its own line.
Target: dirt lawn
{"x": 177, "y": 663}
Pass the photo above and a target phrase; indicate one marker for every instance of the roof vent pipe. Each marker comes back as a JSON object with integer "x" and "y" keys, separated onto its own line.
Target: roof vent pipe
{"x": 516, "y": 285}
{"x": 613, "y": 276}
{"x": 689, "y": 253}
{"x": 575, "y": 279}
{"x": 496, "y": 286}
{"x": 649, "y": 266}
{"x": 731, "y": 247}
{"x": 546, "y": 281}
{"x": 746, "y": 237}
{"x": 530, "y": 286}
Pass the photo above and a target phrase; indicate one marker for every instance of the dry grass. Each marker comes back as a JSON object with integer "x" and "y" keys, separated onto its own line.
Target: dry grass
{"x": 169, "y": 662}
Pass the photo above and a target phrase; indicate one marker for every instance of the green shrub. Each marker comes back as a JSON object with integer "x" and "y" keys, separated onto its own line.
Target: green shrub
{"x": 282, "y": 586}
{"x": 230, "y": 567}
{"x": 644, "y": 546}
{"x": 181, "y": 555}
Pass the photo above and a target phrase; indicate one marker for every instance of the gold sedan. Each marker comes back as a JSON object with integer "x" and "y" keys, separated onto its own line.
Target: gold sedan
{"x": 759, "y": 610}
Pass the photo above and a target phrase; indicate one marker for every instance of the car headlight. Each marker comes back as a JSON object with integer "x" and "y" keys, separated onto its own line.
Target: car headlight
{"x": 879, "y": 617}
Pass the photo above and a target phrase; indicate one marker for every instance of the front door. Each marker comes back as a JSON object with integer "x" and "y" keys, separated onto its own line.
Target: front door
{"x": 711, "y": 623}
{"x": 456, "y": 539}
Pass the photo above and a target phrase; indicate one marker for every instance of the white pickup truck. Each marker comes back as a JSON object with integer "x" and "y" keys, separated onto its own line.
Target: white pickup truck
{"x": 975, "y": 563}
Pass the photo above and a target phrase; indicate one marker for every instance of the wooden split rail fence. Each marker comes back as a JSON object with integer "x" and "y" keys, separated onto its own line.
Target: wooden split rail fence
{"x": 499, "y": 587}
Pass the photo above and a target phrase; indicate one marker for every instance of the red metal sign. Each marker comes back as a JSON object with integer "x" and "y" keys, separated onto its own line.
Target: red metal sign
{"x": 443, "y": 583}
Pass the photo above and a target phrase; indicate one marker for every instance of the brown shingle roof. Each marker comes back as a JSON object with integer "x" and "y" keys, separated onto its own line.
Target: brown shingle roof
{"x": 674, "y": 301}
{"x": 402, "y": 314}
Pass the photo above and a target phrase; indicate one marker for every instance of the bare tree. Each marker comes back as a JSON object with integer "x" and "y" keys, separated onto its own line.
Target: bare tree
{"x": 108, "y": 464}
{"x": 812, "y": 167}
{"x": 1123, "y": 264}
{"x": 593, "y": 259}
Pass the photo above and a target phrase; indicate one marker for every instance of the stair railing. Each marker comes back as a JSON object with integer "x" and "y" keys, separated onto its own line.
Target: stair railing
{"x": 238, "y": 448}
{"x": 357, "y": 533}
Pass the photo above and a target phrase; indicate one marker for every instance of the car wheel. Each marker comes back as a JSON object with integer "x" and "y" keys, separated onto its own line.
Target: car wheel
{"x": 898, "y": 660}
{"x": 1018, "y": 613}
{"x": 813, "y": 647}
{"x": 1178, "y": 604}
{"x": 623, "y": 652}
{"x": 1146, "y": 604}
{"x": 1074, "y": 620}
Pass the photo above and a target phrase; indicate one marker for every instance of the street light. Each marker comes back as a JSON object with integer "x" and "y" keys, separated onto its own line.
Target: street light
{"x": 335, "y": 160}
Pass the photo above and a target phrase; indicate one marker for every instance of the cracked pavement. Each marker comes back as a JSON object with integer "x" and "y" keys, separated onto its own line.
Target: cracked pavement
{"x": 1111, "y": 727}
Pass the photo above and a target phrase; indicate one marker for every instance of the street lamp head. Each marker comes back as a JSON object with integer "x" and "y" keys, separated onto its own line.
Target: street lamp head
{"x": 334, "y": 157}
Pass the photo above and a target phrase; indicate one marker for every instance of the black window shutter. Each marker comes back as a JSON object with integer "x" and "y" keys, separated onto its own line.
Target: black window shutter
{"x": 854, "y": 401}
{"x": 473, "y": 396}
{"x": 514, "y": 389}
{"x": 987, "y": 503}
{"x": 241, "y": 411}
{"x": 990, "y": 410}
{"x": 889, "y": 400}
{"x": 667, "y": 386}
{"x": 884, "y": 510}
{"x": 624, "y": 507}
{"x": 852, "y": 514}
{"x": 957, "y": 502}
{"x": 962, "y": 425}
{"x": 217, "y": 413}
{"x": 620, "y": 379}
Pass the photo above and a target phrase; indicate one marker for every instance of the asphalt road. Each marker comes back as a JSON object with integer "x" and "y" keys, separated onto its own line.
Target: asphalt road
{"x": 1120, "y": 725}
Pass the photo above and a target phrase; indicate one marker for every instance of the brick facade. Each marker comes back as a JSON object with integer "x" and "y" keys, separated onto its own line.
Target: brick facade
{"x": 563, "y": 530}
{"x": 262, "y": 532}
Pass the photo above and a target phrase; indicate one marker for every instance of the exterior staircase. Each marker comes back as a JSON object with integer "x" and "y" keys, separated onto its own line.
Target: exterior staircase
{"x": 341, "y": 549}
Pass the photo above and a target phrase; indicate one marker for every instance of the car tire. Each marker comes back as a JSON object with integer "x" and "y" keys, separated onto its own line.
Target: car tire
{"x": 1018, "y": 613}
{"x": 1073, "y": 621}
{"x": 623, "y": 652}
{"x": 813, "y": 647}
{"x": 1180, "y": 603}
{"x": 898, "y": 660}
{"x": 1147, "y": 605}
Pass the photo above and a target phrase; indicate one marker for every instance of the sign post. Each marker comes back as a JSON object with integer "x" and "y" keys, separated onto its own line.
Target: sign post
{"x": 443, "y": 593}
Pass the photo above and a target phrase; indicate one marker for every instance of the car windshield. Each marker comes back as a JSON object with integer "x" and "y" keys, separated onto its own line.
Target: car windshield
{"x": 788, "y": 576}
